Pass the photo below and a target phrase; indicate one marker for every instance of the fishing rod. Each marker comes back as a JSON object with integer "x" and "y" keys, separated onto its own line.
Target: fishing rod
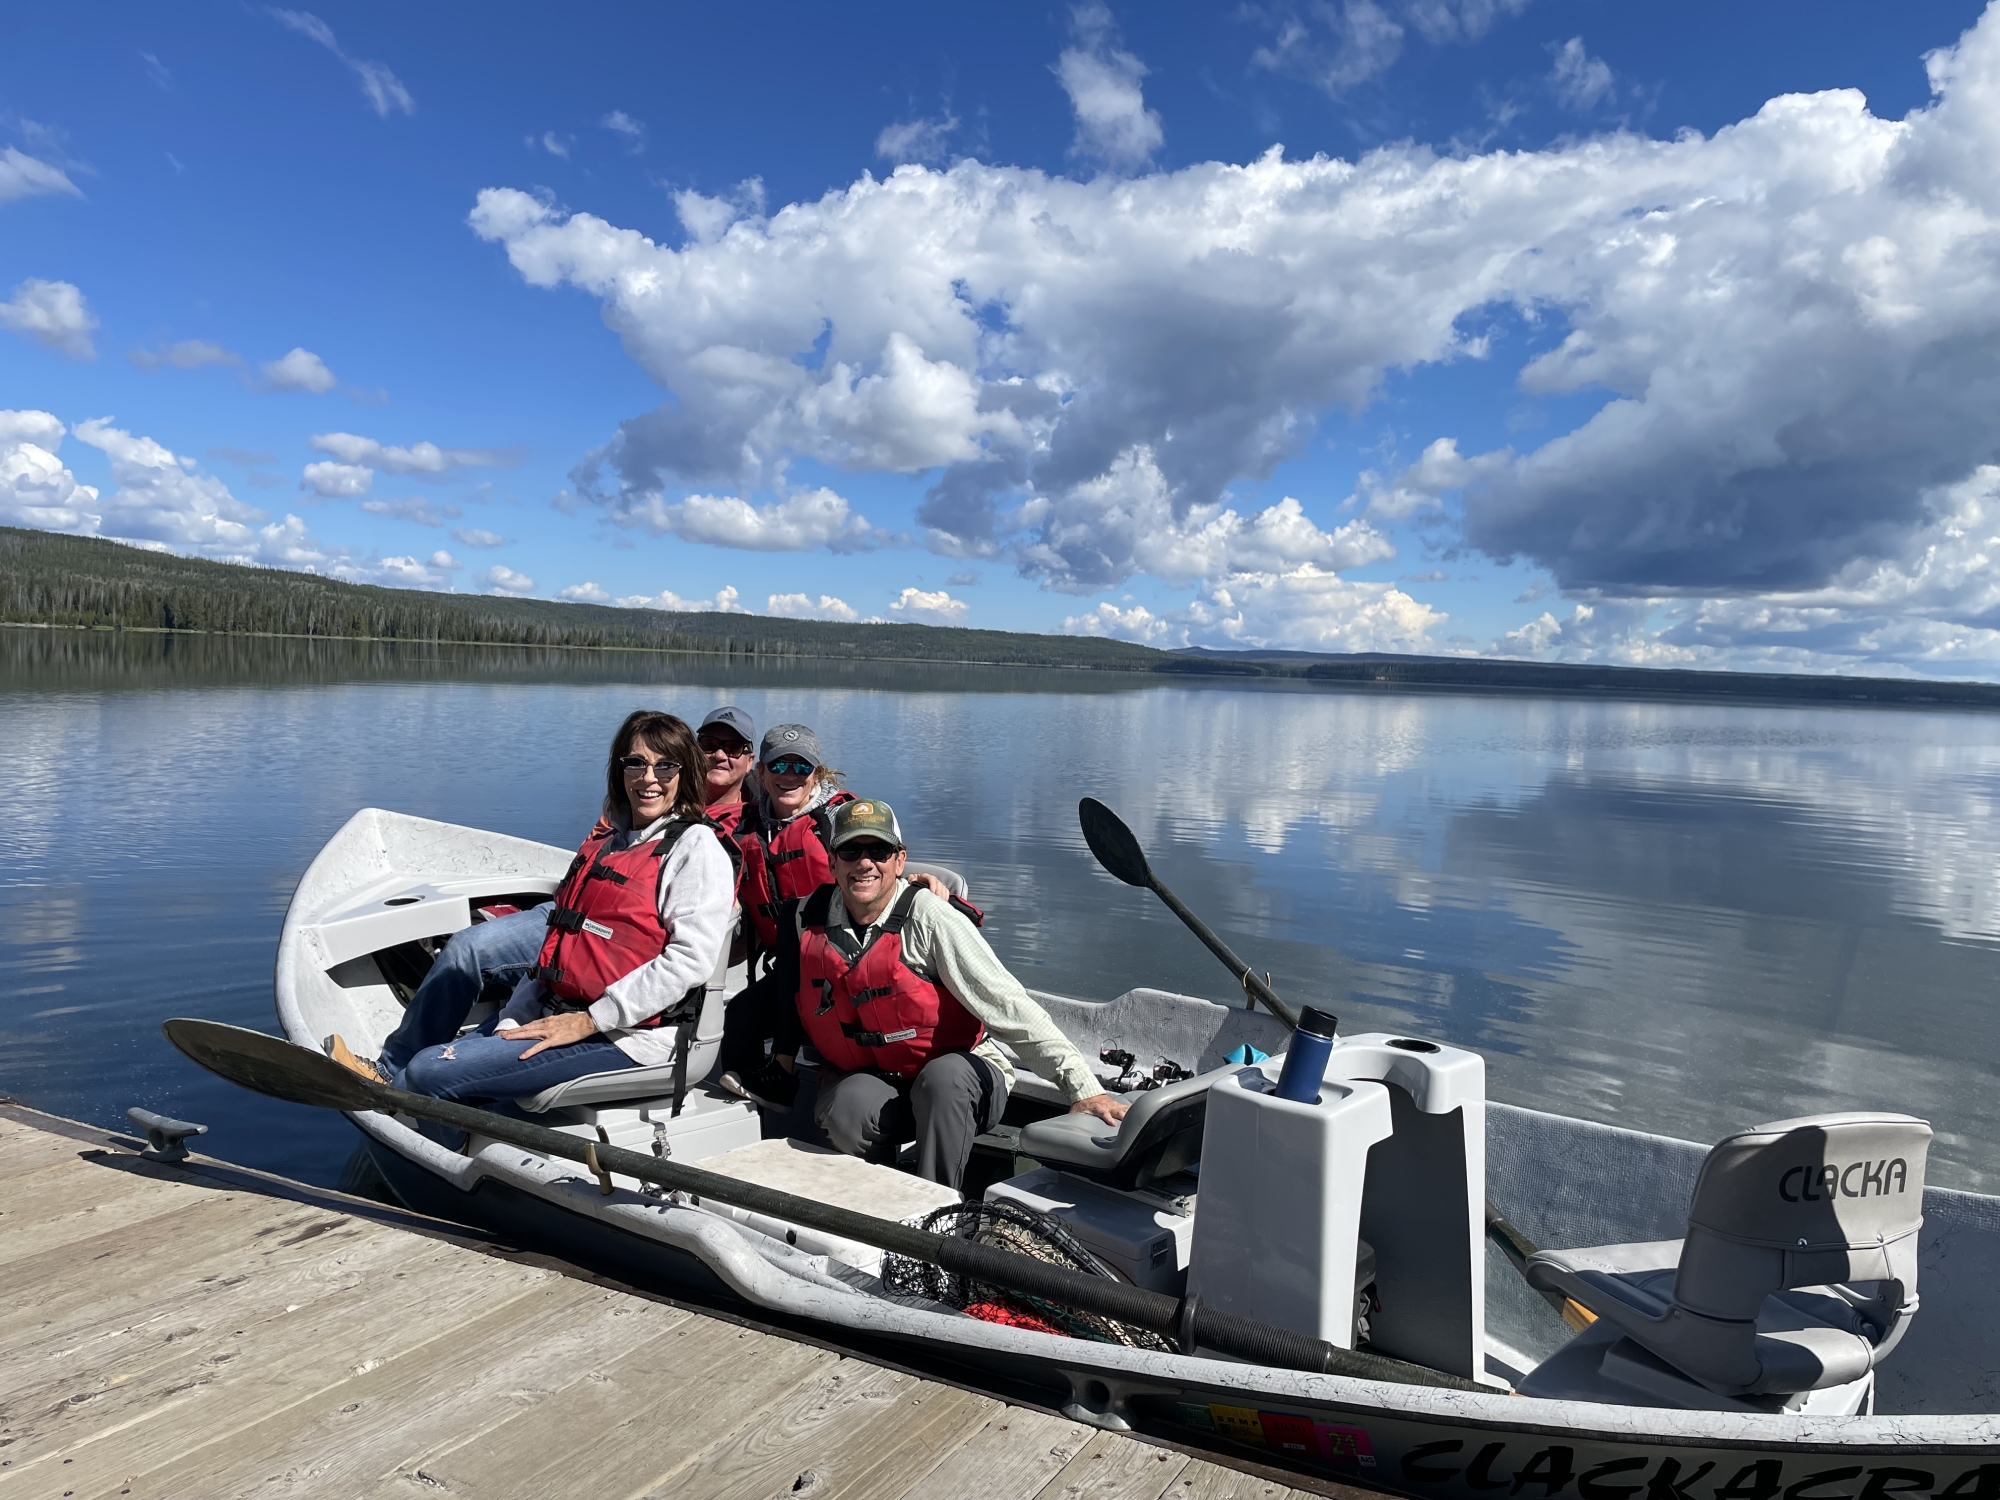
{"x": 283, "y": 1070}
{"x": 1116, "y": 848}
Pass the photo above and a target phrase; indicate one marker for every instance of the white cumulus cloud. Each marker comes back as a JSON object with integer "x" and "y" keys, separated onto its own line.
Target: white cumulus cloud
{"x": 337, "y": 481}
{"x": 53, "y": 314}
{"x": 300, "y": 370}
{"x": 36, "y": 489}
{"x": 804, "y": 607}
{"x": 931, "y": 607}
{"x": 724, "y": 602}
{"x": 473, "y": 536}
{"x": 800, "y": 522}
{"x": 583, "y": 593}
{"x": 501, "y": 579}
{"x": 1304, "y": 608}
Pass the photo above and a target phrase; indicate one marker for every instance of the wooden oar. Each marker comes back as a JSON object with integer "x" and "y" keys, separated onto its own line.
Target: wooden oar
{"x": 271, "y": 1065}
{"x": 1117, "y": 849}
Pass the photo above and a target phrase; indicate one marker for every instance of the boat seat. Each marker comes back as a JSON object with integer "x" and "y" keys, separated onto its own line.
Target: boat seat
{"x": 1799, "y": 1269}
{"x": 1159, "y": 1136}
{"x": 655, "y": 1083}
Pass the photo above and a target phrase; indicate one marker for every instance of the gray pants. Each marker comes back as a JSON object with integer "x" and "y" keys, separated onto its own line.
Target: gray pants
{"x": 950, "y": 1101}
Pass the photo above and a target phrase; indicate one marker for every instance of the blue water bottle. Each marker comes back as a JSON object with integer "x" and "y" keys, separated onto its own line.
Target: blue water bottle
{"x": 1305, "y": 1063}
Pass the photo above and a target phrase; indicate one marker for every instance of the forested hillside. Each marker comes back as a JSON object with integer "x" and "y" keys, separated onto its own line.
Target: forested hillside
{"x": 49, "y": 579}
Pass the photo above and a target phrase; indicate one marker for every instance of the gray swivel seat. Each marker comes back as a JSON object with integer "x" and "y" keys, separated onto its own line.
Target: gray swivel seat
{"x": 1799, "y": 1270}
{"x": 1159, "y": 1136}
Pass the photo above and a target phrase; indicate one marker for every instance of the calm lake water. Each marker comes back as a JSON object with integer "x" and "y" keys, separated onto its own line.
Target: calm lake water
{"x": 1678, "y": 917}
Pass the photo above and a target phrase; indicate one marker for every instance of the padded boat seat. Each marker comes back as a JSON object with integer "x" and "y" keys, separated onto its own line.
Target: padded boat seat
{"x": 1799, "y": 1270}
{"x": 1159, "y": 1136}
{"x": 625, "y": 1085}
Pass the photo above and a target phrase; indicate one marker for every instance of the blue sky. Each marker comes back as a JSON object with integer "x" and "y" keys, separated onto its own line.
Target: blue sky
{"x": 1532, "y": 327}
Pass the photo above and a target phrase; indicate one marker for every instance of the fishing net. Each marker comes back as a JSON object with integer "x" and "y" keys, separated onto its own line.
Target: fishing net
{"x": 1024, "y": 1231}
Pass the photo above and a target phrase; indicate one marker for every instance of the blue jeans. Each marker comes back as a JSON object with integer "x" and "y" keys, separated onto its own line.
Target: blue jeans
{"x": 487, "y": 1066}
{"x": 497, "y": 952}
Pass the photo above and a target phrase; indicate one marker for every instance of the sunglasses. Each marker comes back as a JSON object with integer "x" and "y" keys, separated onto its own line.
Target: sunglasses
{"x": 854, "y": 853}
{"x": 662, "y": 770}
{"x": 789, "y": 767}
{"x": 734, "y": 749}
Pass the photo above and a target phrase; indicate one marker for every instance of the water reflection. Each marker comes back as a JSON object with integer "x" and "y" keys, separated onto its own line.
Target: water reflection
{"x": 1680, "y": 917}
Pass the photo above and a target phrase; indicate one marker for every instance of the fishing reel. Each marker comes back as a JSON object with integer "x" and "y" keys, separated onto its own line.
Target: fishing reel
{"x": 1129, "y": 1080}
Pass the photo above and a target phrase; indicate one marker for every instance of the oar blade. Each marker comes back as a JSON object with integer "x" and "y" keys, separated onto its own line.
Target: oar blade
{"x": 271, "y": 1065}
{"x": 1112, "y": 843}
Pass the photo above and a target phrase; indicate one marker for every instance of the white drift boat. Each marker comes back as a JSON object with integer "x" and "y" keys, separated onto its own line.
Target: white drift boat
{"x": 1712, "y": 1370}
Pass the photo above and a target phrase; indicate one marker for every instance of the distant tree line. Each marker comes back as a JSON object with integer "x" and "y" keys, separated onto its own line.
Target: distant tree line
{"x": 87, "y": 582}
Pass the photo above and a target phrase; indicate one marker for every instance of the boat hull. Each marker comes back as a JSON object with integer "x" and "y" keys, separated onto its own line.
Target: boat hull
{"x": 1564, "y": 1181}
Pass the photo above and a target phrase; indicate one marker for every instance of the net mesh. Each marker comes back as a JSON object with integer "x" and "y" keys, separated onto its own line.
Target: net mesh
{"x": 1024, "y": 1231}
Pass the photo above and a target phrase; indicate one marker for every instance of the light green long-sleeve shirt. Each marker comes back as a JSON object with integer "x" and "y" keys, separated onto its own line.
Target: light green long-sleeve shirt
{"x": 943, "y": 942}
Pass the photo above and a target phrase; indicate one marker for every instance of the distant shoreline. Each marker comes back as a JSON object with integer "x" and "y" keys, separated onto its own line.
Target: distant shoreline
{"x": 88, "y": 585}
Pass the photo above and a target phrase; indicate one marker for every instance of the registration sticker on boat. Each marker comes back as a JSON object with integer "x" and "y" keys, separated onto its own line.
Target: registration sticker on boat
{"x": 1288, "y": 1433}
{"x": 1238, "y": 1422}
{"x": 1196, "y": 1416}
{"x": 1345, "y": 1445}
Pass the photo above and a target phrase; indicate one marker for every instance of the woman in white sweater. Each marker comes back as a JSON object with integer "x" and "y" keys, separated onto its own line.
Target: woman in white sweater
{"x": 633, "y": 937}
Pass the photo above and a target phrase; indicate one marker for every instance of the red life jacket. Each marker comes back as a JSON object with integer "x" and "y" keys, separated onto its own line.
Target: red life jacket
{"x": 795, "y": 864}
{"x": 863, "y": 1007}
{"x": 606, "y": 921}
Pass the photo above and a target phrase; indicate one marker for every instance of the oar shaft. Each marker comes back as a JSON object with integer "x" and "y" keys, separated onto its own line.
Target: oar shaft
{"x": 1222, "y": 951}
{"x": 1097, "y": 1295}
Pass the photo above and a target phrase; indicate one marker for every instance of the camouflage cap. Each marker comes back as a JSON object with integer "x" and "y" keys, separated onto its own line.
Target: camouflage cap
{"x": 866, "y": 819}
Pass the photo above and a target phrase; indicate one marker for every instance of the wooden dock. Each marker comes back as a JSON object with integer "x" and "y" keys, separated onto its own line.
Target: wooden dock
{"x": 209, "y": 1331}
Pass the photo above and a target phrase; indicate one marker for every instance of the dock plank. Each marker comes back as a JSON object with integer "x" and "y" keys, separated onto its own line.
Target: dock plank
{"x": 1114, "y": 1467}
{"x": 161, "y": 1267}
{"x": 852, "y": 1430}
{"x": 24, "y": 1150}
{"x": 64, "y": 1189}
{"x": 468, "y": 1375}
{"x": 1202, "y": 1480}
{"x": 150, "y": 1397}
{"x": 1017, "y": 1452}
{"x": 625, "y": 1425}
{"x": 74, "y": 1201}
{"x": 210, "y": 1317}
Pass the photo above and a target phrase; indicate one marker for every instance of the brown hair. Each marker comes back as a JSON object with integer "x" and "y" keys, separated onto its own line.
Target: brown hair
{"x": 667, "y": 737}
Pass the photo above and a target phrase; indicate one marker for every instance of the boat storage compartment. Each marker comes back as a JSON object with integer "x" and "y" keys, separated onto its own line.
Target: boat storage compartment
{"x": 1142, "y": 1236}
{"x": 1392, "y": 1152}
{"x": 710, "y": 1123}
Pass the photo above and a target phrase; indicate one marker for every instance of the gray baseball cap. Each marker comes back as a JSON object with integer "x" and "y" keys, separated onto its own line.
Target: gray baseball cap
{"x": 736, "y": 719}
{"x": 789, "y": 740}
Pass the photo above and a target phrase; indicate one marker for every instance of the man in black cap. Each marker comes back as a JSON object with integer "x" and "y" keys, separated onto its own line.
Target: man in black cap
{"x": 903, "y": 1000}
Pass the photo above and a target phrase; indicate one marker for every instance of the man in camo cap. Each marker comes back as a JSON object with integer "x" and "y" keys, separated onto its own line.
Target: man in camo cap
{"x": 903, "y": 1000}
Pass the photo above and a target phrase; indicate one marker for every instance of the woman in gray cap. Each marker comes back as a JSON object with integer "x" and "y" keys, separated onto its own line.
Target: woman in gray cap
{"x": 798, "y": 792}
